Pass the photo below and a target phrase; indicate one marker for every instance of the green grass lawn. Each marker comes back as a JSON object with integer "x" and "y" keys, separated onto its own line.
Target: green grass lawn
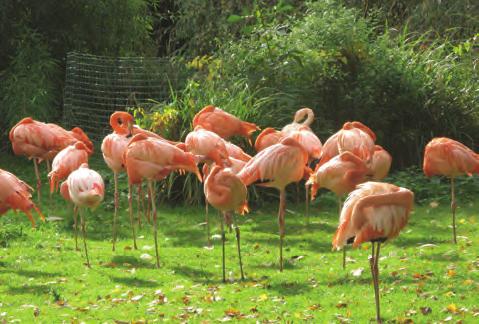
{"x": 423, "y": 277}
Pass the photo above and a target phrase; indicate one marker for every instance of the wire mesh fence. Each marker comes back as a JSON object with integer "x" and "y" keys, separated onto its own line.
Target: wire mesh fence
{"x": 96, "y": 86}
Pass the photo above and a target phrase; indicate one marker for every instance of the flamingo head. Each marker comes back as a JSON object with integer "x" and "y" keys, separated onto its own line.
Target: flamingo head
{"x": 80, "y": 135}
{"x": 122, "y": 122}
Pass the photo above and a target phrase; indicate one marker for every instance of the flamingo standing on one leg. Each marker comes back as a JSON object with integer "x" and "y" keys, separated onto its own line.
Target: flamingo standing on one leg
{"x": 113, "y": 147}
{"x": 341, "y": 174}
{"x": 447, "y": 157}
{"x": 280, "y": 165}
{"x": 222, "y": 123}
{"x": 212, "y": 148}
{"x": 374, "y": 212}
{"x": 16, "y": 194}
{"x": 312, "y": 144}
{"x": 225, "y": 191}
{"x": 86, "y": 190}
{"x": 153, "y": 159}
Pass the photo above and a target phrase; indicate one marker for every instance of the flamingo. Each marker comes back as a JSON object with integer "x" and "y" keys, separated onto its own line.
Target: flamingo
{"x": 86, "y": 190}
{"x": 16, "y": 194}
{"x": 380, "y": 163}
{"x": 66, "y": 161}
{"x": 312, "y": 144}
{"x": 153, "y": 159}
{"x": 341, "y": 174}
{"x": 298, "y": 116}
{"x": 236, "y": 152}
{"x": 212, "y": 148}
{"x": 280, "y": 165}
{"x": 225, "y": 191}
{"x": 113, "y": 147}
{"x": 269, "y": 136}
{"x": 354, "y": 137}
{"x": 222, "y": 123}
{"x": 450, "y": 158}
{"x": 123, "y": 123}
{"x": 40, "y": 141}
{"x": 375, "y": 212}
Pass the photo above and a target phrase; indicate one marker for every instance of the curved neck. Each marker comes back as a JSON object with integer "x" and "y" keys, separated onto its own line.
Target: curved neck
{"x": 300, "y": 114}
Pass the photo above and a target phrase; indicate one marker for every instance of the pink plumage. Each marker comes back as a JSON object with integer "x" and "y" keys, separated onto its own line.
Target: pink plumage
{"x": 374, "y": 210}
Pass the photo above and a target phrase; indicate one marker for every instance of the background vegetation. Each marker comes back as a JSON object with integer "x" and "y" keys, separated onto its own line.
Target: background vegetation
{"x": 408, "y": 69}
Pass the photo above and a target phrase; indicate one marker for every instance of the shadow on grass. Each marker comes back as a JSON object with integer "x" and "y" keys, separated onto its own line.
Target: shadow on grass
{"x": 289, "y": 288}
{"x": 441, "y": 257}
{"x": 30, "y": 273}
{"x": 135, "y": 282}
{"x": 127, "y": 261}
{"x": 199, "y": 275}
{"x": 29, "y": 290}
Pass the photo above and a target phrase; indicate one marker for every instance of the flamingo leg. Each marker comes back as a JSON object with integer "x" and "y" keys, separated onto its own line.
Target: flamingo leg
{"x": 75, "y": 225}
{"x": 238, "y": 242}
{"x": 49, "y": 167}
{"x": 39, "y": 182}
{"x": 223, "y": 239}
{"x": 148, "y": 206}
{"x": 340, "y": 207}
{"x": 453, "y": 210}
{"x": 83, "y": 228}
{"x": 373, "y": 262}
{"x": 115, "y": 214}
{"x": 155, "y": 220}
{"x": 306, "y": 187}
{"x": 207, "y": 223}
{"x": 138, "y": 205}
{"x": 281, "y": 223}
{"x": 130, "y": 210}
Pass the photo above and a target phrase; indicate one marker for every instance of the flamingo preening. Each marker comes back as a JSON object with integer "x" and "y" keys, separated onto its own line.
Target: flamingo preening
{"x": 222, "y": 123}
{"x": 341, "y": 174}
{"x": 375, "y": 212}
{"x": 450, "y": 158}
{"x": 86, "y": 190}
{"x": 225, "y": 191}
{"x": 152, "y": 159}
{"x": 279, "y": 165}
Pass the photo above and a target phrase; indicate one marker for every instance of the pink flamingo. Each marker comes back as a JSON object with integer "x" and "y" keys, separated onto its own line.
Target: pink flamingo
{"x": 153, "y": 159}
{"x": 86, "y": 190}
{"x": 450, "y": 158}
{"x": 280, "y": 165}
{"x": 66, "y": 161}
{"x": 374, "y": 212}
{"x": 312, "y": 144}
{"x": 380, "y": 163}
{"x": 222, "y": 123}
{"x": 39, "y": 141}
{"x": 354, "y": 137}
{"x": 304, "y": 113}
{"x": 341, "y": 174}
{"x": 225, "y": 191}
{"x": 16, "y": 194}
{"x": 113, "y": 148}
{"x": 269, "y": 136}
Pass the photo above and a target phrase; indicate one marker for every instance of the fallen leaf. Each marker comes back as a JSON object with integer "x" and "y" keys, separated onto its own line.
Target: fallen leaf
{"x": 262, "y": 297}
{"x": 452, "y": 308}
{"x": 451, "y": 273}
{"x": 426, "y": 310}
{"x": 232, "y": 312}
{"x": 146, "y": 257}
{"x": 341, "y": 305}
{"x": 137, "y": 298}
{"x": 357, "y": 272}
{"x": 314, "y": 307}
